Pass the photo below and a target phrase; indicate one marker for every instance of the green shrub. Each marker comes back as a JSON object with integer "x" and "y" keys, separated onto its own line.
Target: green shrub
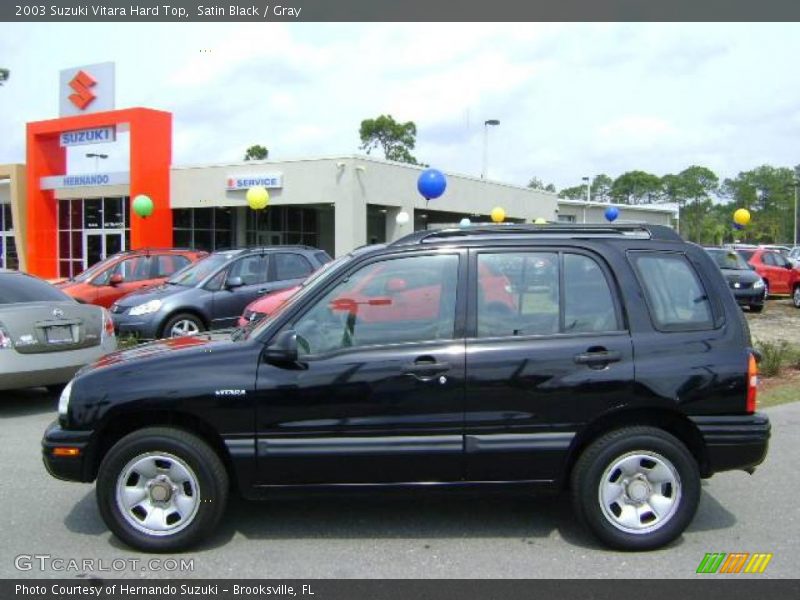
{"x": 774, "y": 355}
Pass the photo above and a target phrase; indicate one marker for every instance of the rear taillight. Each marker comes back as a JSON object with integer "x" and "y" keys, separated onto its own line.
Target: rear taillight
{"x": 752, "y": 383}
{"x": 108, "y": 324}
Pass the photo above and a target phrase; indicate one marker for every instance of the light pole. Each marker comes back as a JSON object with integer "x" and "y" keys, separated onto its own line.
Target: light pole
{"x": 794, "y": 235}
{"x": 97, "y": 158}
{"x": 588, "y": 181}
{"x": 486, "y": 124}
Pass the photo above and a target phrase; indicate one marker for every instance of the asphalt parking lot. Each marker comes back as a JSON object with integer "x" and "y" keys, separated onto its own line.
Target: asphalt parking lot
{"x": 418, "y": 535}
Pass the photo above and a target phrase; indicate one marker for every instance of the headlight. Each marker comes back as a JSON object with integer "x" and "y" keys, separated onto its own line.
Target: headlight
{"x": 146, "y": 308}
{"x": 758, "y": 284}
{"x": 63, "y": 400}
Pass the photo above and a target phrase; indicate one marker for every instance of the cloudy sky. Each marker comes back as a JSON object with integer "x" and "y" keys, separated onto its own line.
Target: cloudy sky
{"x": 572, "y": 99}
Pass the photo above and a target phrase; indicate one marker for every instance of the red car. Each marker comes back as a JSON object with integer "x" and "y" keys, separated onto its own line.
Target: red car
{"x": 265, "y": 306}
{"x": 778, "y": 273}
{"x": 123, "y": 273}
{"x": 380, "y": 299}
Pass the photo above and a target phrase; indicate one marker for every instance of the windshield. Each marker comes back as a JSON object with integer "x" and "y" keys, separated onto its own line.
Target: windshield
{"x": 16, "y": 288}
{"x": 94, "y": 269}
{"x": 729, "y": 259}
{"x": 194, "y": 274}
{"x": 309, "y": 283}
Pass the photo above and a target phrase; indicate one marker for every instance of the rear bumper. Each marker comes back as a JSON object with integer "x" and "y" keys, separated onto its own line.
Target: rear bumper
{"x": 48, "y": 368}
{"x": 734, "y": 442}
{"x": 72, "y": 468}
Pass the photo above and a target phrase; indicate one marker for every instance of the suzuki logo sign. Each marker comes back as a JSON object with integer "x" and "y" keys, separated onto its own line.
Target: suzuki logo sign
{"x": 83, "y": 96}
{"x": 86, "y": 89}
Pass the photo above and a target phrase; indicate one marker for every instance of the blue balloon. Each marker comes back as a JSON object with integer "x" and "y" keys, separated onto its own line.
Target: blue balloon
{"x": 738, "y": 227}
{"x": 612, "y": 212}
{"x": 431, "y": 184}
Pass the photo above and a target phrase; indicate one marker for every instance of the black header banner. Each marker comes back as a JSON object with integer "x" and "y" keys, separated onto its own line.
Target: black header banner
{"x": 397, "y": 10}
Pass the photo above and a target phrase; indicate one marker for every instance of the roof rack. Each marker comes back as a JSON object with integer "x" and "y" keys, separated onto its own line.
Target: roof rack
{"x": 637, "y": 230}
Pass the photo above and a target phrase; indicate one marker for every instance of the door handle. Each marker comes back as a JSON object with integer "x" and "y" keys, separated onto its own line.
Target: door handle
{"x": 595, "y": 358}
{"x": 262, "y": 291}
{"x": 426, "y": 370}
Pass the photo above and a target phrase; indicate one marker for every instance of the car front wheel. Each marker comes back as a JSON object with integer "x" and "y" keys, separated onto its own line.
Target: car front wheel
{"x": 182, "y": 325}
{"x": 161, "y": 489}
{"x": 636, "y": 488}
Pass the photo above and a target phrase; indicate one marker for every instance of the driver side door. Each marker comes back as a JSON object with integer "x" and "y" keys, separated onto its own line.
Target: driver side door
{"x": 377, "y": 393}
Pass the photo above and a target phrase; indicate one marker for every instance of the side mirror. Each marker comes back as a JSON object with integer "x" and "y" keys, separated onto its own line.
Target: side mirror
{"x": 788, "y": 265}
{"x": 283, "y": 348}
{"x": 116, "y": 279}
{"x": 234, "y": 282}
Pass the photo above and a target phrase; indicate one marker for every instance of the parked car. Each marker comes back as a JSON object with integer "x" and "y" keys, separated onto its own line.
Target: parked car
{"x": 212, "y": 293}
{"x": 745, "y": 284}
{"x": 46, "y": 336}
{"x": 109, "y": 280}
{"x": 779, "y": 275}
{"x": 625, "y": 374}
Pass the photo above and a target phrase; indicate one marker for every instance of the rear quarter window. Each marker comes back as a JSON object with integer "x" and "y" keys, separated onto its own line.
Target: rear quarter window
{"x": 675, "y": 295}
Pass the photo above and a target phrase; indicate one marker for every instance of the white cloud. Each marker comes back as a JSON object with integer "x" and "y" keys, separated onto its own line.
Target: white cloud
{"x": 572, "y": 98}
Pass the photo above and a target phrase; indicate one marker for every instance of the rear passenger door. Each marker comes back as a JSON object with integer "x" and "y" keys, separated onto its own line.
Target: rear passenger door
{"x": 288, "y": 269}
{"x": 547, "y": 346}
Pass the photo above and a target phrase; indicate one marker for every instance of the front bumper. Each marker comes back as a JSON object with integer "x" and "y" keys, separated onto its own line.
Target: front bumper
{"x": 734, "y": 442}
{"x": 68, "y": 468}
{"x": 749, "y": 297}
{"x": 144, "y": 327}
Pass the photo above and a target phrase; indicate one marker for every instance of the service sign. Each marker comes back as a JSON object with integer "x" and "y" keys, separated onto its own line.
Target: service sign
{"x": 57, "y": 182}
{"x": 244, "y": 182}
{"x": 97, "y": 135}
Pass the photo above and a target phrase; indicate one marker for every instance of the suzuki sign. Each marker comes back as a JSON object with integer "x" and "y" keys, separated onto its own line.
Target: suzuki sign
{"x": 86, "y": 89}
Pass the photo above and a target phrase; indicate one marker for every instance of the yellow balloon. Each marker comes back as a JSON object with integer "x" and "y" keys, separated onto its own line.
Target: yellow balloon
{"x": 498, "y": 214}
{"x": 540, "y": 221}
{"x": 741, "y": 217}
{"x": 257, "y": 197}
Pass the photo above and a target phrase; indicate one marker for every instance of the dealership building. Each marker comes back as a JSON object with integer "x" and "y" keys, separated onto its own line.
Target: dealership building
{"x": 55, "y": 224}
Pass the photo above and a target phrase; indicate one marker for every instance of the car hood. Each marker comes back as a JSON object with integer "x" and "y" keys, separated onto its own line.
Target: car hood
{"x": 742, "y": 275}
{"x": 158, "y": 292}
{"x": 170, "y": 348}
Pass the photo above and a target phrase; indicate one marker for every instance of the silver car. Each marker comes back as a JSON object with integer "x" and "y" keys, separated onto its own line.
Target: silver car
{"x": 46, "y": 336}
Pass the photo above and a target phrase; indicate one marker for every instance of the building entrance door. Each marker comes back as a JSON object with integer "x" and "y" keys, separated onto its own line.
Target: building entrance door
{"x": 97, "y": 245}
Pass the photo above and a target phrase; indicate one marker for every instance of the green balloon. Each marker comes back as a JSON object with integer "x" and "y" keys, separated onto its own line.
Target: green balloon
{"x": 143, "y": 206}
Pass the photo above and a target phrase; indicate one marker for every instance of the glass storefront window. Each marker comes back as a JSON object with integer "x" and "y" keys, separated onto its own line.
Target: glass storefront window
{"x": 203, "y": 228}
{"x": 93, "y": 214}
{"x": 105, "y": 218}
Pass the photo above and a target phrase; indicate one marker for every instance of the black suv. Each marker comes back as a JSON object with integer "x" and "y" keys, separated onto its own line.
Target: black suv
{"x": 611, "y": 361}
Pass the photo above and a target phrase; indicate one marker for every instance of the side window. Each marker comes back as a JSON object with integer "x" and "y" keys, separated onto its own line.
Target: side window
{"x": 588, "y": 303}
{"x": 322, "y": 257}
{"x": 167, "y": 264}
{"x": 769, "y": 259}
{"x": 675, "y": 296}
{"x": 518, "y": 294}
{"x": 134, "y": 269}
{"x": 252, "y": 269}
{"x": 291, "y": 266}
{"x": 381, "y": 304}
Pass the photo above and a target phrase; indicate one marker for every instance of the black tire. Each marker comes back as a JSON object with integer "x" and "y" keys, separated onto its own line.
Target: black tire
{"x": 166, "y": 331}
{"x": 55, "y": 389}
{"x": 756, "y": 308}
{"x": 766, "y": 290}
{"x": 796, "y": 296}
{"x": 205, "y": 464}
{"x": 607, "y": 450}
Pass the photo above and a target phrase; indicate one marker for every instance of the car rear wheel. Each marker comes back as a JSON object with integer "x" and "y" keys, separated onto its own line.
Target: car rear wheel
{"x": 636, "y": 488}
{"x": 182, "y": 325}
{"x": 796, "y": 296}
{"x": 766, "y": 289}
{"x": 161, "y": 489}
{"x": 756, "y": 308}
